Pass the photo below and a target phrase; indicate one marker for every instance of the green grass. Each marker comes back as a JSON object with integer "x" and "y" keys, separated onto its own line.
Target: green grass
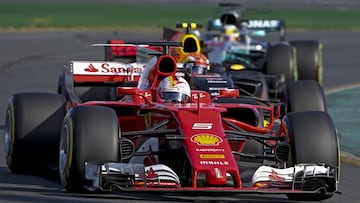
{"x": 67, "y": 16}
{"x": 44, "y": 16}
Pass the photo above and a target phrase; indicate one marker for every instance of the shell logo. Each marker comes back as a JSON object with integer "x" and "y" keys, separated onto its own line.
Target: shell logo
{"x": 206, "y": 140}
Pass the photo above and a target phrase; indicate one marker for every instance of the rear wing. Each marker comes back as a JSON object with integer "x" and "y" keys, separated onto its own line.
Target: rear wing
{"x": 114, "y": 51}
{"x": 114, "y": 72}
{"x": 267, "y": 25}
{"x": 103, "y": 73}
{"x": 88, "y": 80}
{"x": 234, "y": 15}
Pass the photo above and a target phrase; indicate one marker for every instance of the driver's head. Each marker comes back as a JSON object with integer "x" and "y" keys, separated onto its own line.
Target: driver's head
{"x": 198, "y": 63}
{"x": 231, "y": 32}
{"x": 174, "y": 90}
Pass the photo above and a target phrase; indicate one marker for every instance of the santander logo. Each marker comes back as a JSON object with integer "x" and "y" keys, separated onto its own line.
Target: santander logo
{"x": 91, "y": 69}
{"x": 119, "y": 69}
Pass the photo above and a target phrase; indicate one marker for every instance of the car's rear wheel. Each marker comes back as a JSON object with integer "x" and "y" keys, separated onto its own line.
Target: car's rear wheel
{"x": 281, "y": 62}
{"x": 313, "y": 145}
{"x": 89, "y": 133}
{"x": 32, "y": 130}
{"x": 304, "y": 95}
{"x": 309, "y": 59}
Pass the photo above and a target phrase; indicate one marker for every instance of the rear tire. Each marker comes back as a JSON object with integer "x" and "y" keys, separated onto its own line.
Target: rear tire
{"x": 89, "y": 133}
{"x": 281, "y": 62}
{"x": 32, "y": 130}
{"x": 313, "y": 145}
{"x": 304, "y": 95}
{"x": 309, "y": 59}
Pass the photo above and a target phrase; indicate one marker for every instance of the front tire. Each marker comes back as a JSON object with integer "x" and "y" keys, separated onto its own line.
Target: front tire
{"x": 313, "y": 140}
{"x": 89, "y": 133}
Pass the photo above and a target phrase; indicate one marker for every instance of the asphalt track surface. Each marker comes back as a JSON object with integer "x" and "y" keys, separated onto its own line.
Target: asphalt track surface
{"x": 33, "y": 61}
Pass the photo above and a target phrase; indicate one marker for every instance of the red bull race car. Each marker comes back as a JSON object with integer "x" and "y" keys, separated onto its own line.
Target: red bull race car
{"x": 160, "y": 135}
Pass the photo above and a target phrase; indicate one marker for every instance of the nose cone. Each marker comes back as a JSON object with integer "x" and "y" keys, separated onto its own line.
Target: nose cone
{"x": 216, "y": 177}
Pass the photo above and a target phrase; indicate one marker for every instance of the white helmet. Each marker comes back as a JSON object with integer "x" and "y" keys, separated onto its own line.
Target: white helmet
{"x": 173, "y": 89}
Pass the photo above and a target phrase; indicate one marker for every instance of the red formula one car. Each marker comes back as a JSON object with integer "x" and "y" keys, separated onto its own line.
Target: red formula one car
{"x": 162, "y": 136}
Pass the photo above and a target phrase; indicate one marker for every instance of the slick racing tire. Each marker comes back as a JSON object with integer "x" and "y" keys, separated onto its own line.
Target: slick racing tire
{"x": 304, "y": 95}
{"x": 281, "y": 62}
{"x": 313, "y": 140}
{"x": 309, "y": 59}
{"x": 32, "y": 130}
{"x": 84, "y": 93}
{"x": 89, "y": 133}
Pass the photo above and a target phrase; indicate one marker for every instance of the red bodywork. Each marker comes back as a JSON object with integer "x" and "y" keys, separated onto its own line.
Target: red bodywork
{"x": 200, "y": 128}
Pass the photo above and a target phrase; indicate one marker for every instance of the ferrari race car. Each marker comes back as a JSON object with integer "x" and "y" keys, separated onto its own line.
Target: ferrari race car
{"x": 147, "y": 141}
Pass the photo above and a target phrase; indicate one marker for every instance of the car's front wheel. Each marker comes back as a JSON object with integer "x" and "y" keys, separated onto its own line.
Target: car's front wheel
{"x": 313, "y": 140}
{"x": 89, "y": 133}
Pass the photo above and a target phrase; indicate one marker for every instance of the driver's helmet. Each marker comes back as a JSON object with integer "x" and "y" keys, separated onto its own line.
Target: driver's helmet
{"x": 231, "y": 33}
{"x": 174, "y": 90}
{"x": 197, "y": 62}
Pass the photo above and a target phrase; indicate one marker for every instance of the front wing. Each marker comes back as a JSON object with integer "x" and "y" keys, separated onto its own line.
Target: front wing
{"x": 117, "y": 177}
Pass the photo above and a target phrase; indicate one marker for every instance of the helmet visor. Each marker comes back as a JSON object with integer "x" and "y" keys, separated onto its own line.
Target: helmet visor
{"x": 198, "y": 70}
{"x": 174, "y": 97}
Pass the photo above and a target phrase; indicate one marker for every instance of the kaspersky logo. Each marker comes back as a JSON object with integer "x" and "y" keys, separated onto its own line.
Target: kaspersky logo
{"x": 91, "y": 69}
